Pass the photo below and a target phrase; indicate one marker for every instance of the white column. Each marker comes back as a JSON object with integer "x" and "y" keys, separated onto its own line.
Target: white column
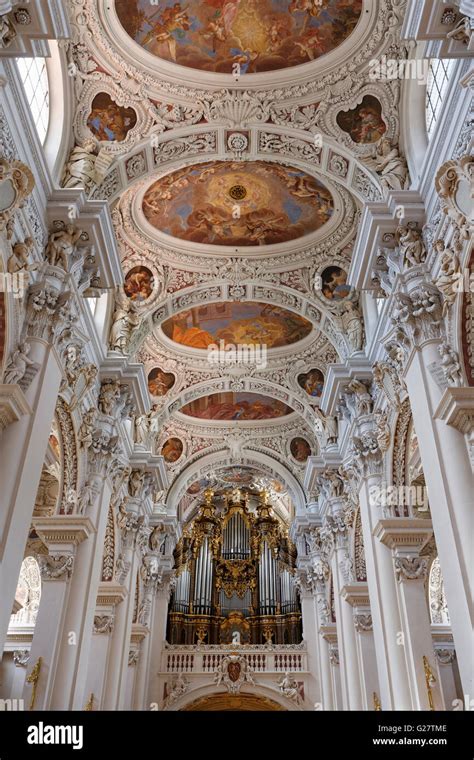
{"x": 357, "y": 595}
{"x": 406, "y": 536}
{"x": 61, "y": 534}
{"x": 391, "y": 663}
{"x": 115, "y": 681}
{"x": 310, "y": 636}
{"x": 110, "y": 595}
{"x": 449, "y": 684}
{"x": 158, "y": 633}
{"x": 350, "y": 680}
{"x": 142, "y": 639}
{"x": 321, "y": 610}
{"x": 446, "y": 465}
{"x": 69, "y": 689}
{"x": 22, "y": 452}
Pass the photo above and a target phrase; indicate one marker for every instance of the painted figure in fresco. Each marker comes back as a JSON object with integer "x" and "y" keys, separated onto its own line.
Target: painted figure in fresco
{"x": 160, "y": 382}
{"x": 312, "y": 382}
{"x": 139, "y": 284}
{"x": 335, "y": 286}
{"x": 238, "y": 407}
{"x": 276, "y": 203}
{"x": 172, "y": 450}
{"x": 260, "y": 35}
{"x": 171, "y": 23}
{"x": 300, "y": 449}
{"x": 108, "y": 121}
{"x": 364, "y": 123}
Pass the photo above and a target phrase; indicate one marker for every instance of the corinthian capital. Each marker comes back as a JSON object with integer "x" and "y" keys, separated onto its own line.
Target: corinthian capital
{"x": 411, "y": 568}
{"x": 151, "y": 573}
{"x": 367, "y": 454}
{"x": 363, "y": 623}
{"x": 419, "y": 314}
{"x": 55, "y": 567}
{"x": 130, "y": 525}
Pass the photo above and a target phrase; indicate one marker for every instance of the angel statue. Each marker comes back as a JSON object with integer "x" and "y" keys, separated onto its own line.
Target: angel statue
{"x": 390, "y": 166}
{"x": 125, "y": 320}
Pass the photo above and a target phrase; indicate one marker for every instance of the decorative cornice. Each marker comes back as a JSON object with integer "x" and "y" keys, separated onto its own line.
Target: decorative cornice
{"x": 456, "y": 408}
{"x": 403, "y": 533}
{"x": 13, "y": 405}
{"x": 63, "y": 530}
{"x": 110, "y": 594}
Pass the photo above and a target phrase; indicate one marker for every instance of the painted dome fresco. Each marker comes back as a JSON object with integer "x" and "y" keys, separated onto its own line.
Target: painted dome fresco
{"x": 236, "y": 323}
{"x": 240, "y": 407}
{"x": 258, "y": 35}
{"x": 234, "y": 203}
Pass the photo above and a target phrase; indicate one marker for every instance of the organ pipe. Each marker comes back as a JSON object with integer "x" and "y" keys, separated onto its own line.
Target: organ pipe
{"x": 235, "y": 562}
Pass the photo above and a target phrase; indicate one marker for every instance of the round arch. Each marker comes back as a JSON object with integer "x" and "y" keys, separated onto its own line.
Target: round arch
{"x": 260, "y": 698}
{"x": 246, "y": 385}
{"x": 258, "y": 459}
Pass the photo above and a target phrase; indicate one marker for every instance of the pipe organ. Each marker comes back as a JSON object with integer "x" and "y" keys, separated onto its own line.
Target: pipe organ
{"x": 235, "y": 577}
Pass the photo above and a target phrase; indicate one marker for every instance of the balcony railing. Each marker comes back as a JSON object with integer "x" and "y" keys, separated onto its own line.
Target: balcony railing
{"x": 261, "y": 658}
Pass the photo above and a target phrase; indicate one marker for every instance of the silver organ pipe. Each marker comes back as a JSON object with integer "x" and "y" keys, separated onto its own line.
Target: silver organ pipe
{"x": 236, "y": 539}
{"x": 203, "y": 580}
{"x": 268, "y": 580}
{"x": 181, "y": 596}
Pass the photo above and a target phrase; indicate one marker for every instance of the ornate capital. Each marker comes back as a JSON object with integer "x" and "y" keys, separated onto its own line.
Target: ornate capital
{"x": 367, "y": 454}
{"x": 411, "y": 568}
{"x": 418, "y": 315}
{"x": 103, "y": 450}
{"x": 151, "y": 573}
{"x": 103, "y": 624}
{"x": 21, "y": 657}
{"x": 129, "y": 524}
{"x": 445, "y": 655}
{"x": 363, "y": 623}
{"x": 55, "y": 567}
{"x": 51, "y": 312}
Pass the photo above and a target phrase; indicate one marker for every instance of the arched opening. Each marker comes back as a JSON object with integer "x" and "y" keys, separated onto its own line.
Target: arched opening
{"x": 233, "y": 703}
{"x": 27, "y": 595}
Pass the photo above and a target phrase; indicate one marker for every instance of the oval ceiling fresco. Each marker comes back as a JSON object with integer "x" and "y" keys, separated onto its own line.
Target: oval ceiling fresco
{"x": 239, "y": 407}
{"x": 235, "y": 324}
{"x": 239, "y": 36}
{"x": 230, "y": 203}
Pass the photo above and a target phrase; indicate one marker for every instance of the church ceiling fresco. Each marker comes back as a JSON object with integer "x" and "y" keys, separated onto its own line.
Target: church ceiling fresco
{"x": 300, "y": 449}
{"x": 235, "y": 204}
{"x": 237, "y": 324}
{"x": 160, "y": 382}
{"x": 239, "y": 407}
{"x": 312, "y": 382}
{"x": 258, "y": 35}
{"x": 334, "y": 284}
{"x": 108, "y": 121}
{"x": 138, "y": 284}
{"x": 364, "y": 123}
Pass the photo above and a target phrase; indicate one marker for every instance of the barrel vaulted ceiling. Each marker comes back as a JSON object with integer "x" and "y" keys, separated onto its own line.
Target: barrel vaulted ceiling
{"x": 236, "y": 142}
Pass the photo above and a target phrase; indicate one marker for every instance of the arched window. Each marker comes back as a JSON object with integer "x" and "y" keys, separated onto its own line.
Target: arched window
{"x": 28, "y": 593}
{"x": 34, "y": 77}
{"x": 438, "y": 78}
